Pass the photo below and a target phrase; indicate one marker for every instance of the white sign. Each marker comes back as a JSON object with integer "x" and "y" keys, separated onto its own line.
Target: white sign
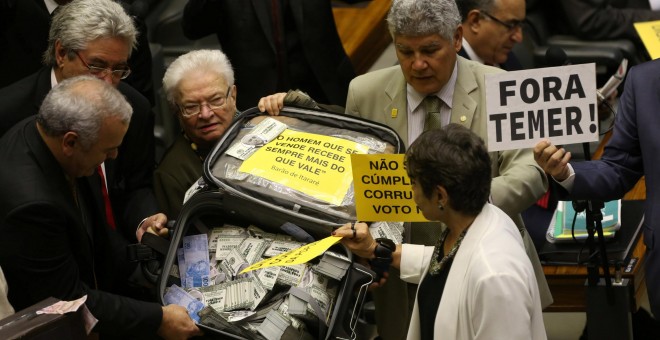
{"x": 557, "y": 103}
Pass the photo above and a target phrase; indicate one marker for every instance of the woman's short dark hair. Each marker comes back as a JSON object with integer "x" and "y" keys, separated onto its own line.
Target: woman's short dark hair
{"x": 455, "y": 158}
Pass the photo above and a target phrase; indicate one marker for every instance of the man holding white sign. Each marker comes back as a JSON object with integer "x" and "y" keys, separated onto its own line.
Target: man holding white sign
{"x": 427, "y": 35}
{"x": 631, "y": 153}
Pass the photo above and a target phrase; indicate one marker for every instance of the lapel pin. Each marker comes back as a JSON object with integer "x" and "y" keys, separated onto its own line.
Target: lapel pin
{"x": 463, "y": 118}
{"x": 394, "y": 113}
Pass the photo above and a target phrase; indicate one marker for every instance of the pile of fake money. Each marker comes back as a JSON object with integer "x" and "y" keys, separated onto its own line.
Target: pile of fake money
{"x": 260, "y": 304}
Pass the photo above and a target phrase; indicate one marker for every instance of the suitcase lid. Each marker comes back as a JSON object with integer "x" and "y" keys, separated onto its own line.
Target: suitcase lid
{"x": 269, "y": 189}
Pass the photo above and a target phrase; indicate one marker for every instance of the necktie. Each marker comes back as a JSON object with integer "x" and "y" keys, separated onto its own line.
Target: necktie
{"x": 433, "y": 118}
{"x": 106, "y": 200}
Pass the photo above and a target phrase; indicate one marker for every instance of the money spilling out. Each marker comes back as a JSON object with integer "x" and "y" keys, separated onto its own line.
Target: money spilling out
{"x": 261, "y": 304}
{"x": 267, "y": 172}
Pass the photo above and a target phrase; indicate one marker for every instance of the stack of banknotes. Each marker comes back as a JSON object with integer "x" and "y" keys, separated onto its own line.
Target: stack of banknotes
{"x": 259, "y": 304}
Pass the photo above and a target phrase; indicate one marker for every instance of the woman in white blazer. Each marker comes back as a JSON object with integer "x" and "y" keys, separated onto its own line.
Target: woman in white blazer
{"x": 477, "y": 282}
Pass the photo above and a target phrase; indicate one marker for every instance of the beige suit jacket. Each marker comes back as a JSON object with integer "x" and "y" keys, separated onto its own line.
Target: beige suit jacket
{"x": 518, "y": 181}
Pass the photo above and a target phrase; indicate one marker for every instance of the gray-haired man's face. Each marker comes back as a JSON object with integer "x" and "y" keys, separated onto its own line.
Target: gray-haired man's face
{"x": 427, "y": 61}
{"x": 108, "y": 53}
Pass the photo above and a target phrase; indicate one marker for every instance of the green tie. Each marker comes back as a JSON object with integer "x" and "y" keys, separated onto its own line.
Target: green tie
{"x": 433, "y": 118}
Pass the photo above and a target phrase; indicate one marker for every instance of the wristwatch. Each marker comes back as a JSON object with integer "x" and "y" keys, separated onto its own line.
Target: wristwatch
{"x": 382, "y": 256}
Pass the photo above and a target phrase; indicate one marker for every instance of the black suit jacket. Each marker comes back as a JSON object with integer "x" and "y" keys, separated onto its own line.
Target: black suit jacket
{"x": 129, "y": 176}
{"x": 52, "y": 247}
{"x": 244, "y": 29}
{"x": 24, "y": 27}
{"x": 603, "y": 19}
{"x": 512, "y": 63}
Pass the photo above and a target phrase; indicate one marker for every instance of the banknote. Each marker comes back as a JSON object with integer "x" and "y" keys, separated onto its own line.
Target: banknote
{"x": 196, "y": 254}
{"x": 390, "y": 230}
{"x": 252, "y": 249}
{"x": 182, "y": 265}
{"x": 225, "y": 243}
{"x": 212, "y": 318}
{"x": 268, "y": 276}
{"x": 280, "y": 246}
{"x": 176, "y": 295}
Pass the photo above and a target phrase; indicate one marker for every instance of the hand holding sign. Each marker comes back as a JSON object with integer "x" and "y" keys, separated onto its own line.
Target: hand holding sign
{"x": 357, "y": 238}
{"x": 552, "y": 159}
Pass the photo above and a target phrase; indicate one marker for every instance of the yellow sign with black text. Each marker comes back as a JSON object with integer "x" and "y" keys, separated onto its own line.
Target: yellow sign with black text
{"x": 649, "y": 32}
{"x": 296, "y": 256}
{"x": 316, "y": 165}
{"x": 383, "y": 191}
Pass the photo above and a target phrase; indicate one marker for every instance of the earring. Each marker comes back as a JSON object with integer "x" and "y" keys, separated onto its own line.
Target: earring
{"x": 440, "y": 206}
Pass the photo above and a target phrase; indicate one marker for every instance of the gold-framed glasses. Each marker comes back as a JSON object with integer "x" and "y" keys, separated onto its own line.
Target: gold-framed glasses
{"x": 192, "y": 109}
{"x": 120, "y": 73}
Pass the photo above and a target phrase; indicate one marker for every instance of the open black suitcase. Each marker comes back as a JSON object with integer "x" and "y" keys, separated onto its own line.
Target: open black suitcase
{"x": 224, "y": 198}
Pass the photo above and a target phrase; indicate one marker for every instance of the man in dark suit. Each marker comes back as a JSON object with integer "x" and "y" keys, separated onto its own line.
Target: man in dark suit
{"x": 54, "y": 242}
{"x": 75, "y": 48}
{"x": 24, "y": 35}
{"x": 631, "y": 153}
{"x": 490, "y": 30}
{"x": 275, "y": 46}
{"x": 24, "y": 27}
{"x": 601, "y": 20}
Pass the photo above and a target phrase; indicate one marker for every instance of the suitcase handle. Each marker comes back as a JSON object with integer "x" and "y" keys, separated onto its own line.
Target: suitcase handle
{"x": 361, "y": 277}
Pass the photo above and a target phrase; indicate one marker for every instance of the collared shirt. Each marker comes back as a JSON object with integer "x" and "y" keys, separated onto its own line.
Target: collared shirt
{"x": 53, "y": 78}
{"x": 51, "y": 5}
{"x": 417, "y": 112}
{"x": 473, "y": 55}
{"x": 568, "y": 182}
{"x": 470, "y": 52}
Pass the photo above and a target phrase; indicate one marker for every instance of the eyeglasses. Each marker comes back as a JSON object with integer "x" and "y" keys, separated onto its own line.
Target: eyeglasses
{"x": 193, "y": 109}
{"x": 510, "y": 25}
{"x": 121, "y": 73}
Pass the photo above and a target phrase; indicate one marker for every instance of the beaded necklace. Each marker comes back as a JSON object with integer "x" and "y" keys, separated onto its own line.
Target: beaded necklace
{"x": 436, "y": 267}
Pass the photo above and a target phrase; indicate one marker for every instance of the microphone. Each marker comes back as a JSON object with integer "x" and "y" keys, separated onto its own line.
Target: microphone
{"x": 614, "y": 81}
{"x": 556, "y": 56}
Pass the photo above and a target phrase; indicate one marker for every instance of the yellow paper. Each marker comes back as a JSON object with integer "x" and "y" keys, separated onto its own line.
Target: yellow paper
{"x": 316, "y": 165}
{"x": 649, "y": 31}
{"x": 296, "y": 256}
{"x": 382, "y": 189}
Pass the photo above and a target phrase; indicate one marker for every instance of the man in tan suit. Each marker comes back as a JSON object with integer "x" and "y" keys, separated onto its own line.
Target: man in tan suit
{"x": 427, "y": 35}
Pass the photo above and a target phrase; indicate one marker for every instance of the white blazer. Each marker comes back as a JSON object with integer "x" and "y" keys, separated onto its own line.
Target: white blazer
{"x": 5, "y": 308}
{"x": 491, "y": 291}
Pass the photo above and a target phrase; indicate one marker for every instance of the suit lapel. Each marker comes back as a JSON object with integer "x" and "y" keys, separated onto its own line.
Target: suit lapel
{"x": 42, "y": 87}
{"x": 512, "y": 63}
{"x": 464, "y": 106}
{"x": 396, "y": 111}
{"x": 454, "y": 292}
{"x": 48, "y": 165}
{"x": 263, "y": 12}
{"x": 463, "y": 54}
